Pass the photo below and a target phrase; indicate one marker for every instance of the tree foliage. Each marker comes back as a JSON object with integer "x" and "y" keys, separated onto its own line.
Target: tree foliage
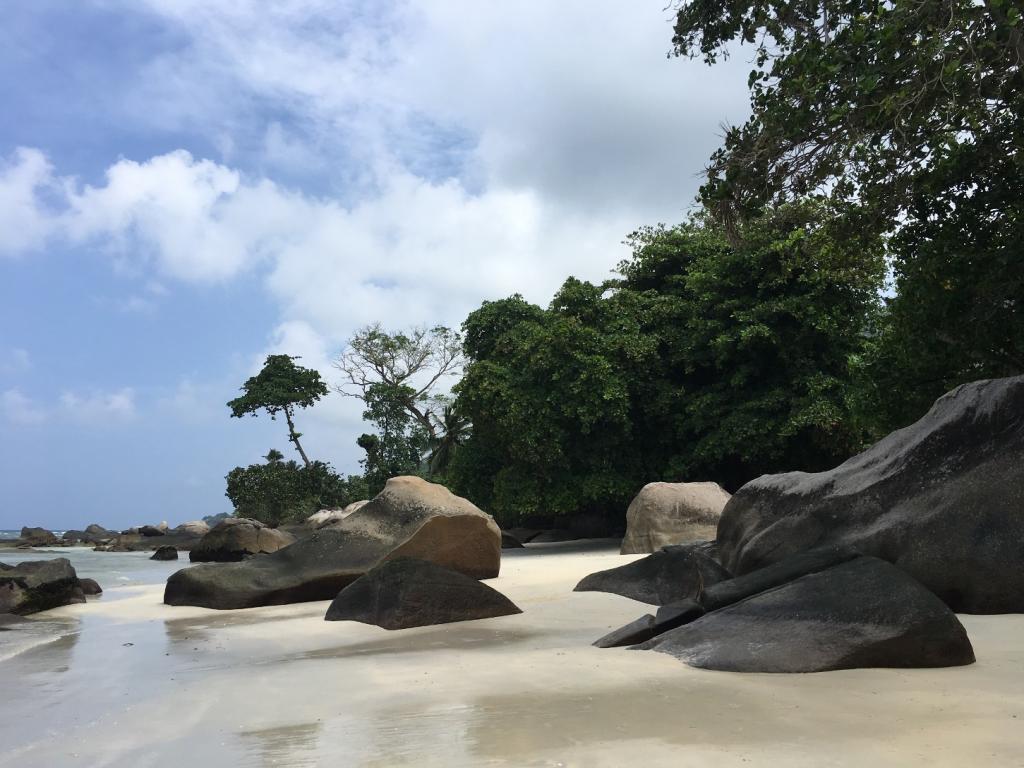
{"x": 908, "y": 118}
{"x": 279, "y": 491}
{"x": 704, "y": 361}
{"x": 280, "y": 387}
{"x": 402, "y": 379}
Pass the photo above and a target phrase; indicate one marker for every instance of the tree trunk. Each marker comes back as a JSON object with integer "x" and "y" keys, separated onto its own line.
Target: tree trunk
{"x": 294, "y": 437}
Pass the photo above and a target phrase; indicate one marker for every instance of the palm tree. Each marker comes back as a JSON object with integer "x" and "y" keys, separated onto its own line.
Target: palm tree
{"x": 456, "y": 430}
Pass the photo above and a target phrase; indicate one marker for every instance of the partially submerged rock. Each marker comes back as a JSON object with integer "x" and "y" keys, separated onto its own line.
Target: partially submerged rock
{"x": 409, "y": 518}
{"x": 93, "y": 534}
{"x": 861, "y": 613}
{"x": 672, "y": 513}
{"x": 38, "y": 537}
{"x": 942, "y": 499}
{"x": 666, "y": 576}
{"x": 407, "y": 592}
{"x": 236, "y": 538}
{"x": 90, "y": 587}
{"x": 38, "y": 586}
{"x": 166, "y": 552}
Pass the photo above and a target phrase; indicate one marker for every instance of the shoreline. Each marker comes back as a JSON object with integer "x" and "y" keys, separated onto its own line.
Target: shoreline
{"x": 142, "y": 683}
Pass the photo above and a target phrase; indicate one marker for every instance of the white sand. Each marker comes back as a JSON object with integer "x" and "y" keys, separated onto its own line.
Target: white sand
{"x": 279, "y": 686}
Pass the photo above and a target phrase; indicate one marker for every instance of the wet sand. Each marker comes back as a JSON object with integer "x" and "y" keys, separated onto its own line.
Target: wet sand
{"x": 137, "y": 683}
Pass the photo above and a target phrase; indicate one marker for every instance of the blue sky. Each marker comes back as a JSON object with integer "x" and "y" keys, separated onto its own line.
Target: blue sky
{"x": 188, "y": 186}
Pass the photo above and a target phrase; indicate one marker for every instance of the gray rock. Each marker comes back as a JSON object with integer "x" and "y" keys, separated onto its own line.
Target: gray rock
{"x": 38, "y": 537}
{"x": 407, "y": 592}
{"x": 152, "y": 530}
{"x": 409, "y": 518}
{"x": 862, "y": 613}
{"x": 508, "y": 541}
{"x": 942, "y": 499}
{"x": 90, "y": 587}
{"x": 38, "y": 586}
{"x": 672, "y": 513}
{"x": 646, "y": 627}
{"x": 165, "y": 552}
{"x": 740, "y": 588}
{"x": 635, "y": 632}
{"x": 667, "y": 576}
{"x": 236, "y": 538}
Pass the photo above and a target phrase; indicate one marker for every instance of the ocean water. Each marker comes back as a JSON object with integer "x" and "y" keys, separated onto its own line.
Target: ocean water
{"x": 110, "y": 569}
{"x": 7, "y": 534}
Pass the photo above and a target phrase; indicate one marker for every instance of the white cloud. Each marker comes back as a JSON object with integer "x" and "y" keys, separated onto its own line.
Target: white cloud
{"x": 18, "y": 408}
{"x": 99, "y": 407}
{"x": 24, "y": 220}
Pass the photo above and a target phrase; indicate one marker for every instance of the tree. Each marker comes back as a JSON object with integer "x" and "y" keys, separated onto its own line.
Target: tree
{"x": 410, "y": 366}
{"x": 401, "y": 441}
{"x": 281, "y": 491}
{"x": 400, "y": 377}
{"x": 855, "y": 98}
{"x": 908, "y": 118}
{"x": 704, "y": 361}
{"x": 280, "y": 387}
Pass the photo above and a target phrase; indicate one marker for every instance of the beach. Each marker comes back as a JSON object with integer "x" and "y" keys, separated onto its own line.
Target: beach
{"x": 129, "y": 681}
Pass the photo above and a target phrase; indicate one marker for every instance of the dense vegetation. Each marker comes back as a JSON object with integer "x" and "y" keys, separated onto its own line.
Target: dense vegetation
{"x": 855, "y": 253}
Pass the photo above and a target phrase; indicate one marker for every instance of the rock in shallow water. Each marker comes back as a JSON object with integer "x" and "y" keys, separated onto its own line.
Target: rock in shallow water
{"x": 942, "y": 499}
{"x": 409, "y": 518}
{"x": 672, "y": 574}
{"x": 407, "y": 592}
{"x": 166, "y": 552}
{"x": 38, "y": 586}
{"x": 861, "y": 613}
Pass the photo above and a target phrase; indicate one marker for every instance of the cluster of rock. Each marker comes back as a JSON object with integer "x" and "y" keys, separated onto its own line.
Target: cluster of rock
{"x": 236, "y": 538}
{"x": 36, "y": 586}
{"x": 146, "y": 538}
{"x": 860, "y": 566}
{"x": 409, "y": 518}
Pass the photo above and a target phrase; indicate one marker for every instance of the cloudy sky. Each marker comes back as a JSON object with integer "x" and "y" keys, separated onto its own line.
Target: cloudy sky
{"x": 188, "y": 185}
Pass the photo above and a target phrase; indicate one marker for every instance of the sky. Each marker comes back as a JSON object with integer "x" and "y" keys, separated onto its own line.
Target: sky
{"x": 187, "y": 186}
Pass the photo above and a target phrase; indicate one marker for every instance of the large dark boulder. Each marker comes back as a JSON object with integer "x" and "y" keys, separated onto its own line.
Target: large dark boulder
{"x": 667, "y": 576}
{"x": 38, "y": 537}
{"x": 943, "y": 499}
{"x": 862, "y": 613}
{"x": 38, "y": 586}
{"x": 409, "y": 518}
{"x": 407, "y": 592}
{"x": 236, "y": 538}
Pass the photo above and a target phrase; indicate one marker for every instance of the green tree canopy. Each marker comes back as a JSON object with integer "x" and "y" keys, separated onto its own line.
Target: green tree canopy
{"x": 704, "y": 361}
{"x": 281, "y": 387}
{"x": 281, "y": 491}
{"x": 908, "y": 118}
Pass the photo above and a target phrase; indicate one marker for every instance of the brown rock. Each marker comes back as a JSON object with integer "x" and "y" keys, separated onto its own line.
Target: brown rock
{"x": 672, "y": 513}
